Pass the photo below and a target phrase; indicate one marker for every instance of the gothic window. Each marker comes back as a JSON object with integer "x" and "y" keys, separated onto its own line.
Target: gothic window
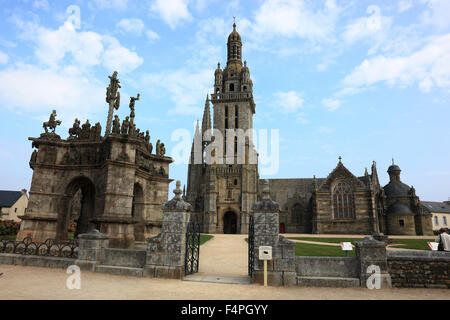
{"x": 231, "y": 86}
{"x": 236, "y": 116}
{"x": 226, "y": 117}
{"x": 343, "y": 202}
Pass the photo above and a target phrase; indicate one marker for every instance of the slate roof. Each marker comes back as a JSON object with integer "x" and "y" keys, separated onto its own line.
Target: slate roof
{"x": 8, "y": 198}
{"x": 441, "y": 207}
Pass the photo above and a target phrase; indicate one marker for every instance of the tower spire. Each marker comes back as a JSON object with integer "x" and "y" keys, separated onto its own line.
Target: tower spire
{"x": 206, "y": 122}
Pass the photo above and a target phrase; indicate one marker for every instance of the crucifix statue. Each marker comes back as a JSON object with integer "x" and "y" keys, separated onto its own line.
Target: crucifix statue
{"x": 132, "y": 103}
{"x": 113, "y": 99}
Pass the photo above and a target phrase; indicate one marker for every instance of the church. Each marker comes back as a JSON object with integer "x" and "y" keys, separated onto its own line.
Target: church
{"x": 222, "y": 191}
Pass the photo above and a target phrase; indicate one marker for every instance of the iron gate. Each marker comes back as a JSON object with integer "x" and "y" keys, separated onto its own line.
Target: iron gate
{"x": 192, "y": 248}
{"x": 251, "y": 246}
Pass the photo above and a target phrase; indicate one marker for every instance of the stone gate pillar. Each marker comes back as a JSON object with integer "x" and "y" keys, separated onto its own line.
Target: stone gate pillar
{"x": 372, "y": 262}
{"x": 91, "y": 249}
{"x": 281, "y": 269}
{"x": 166, "y": 252}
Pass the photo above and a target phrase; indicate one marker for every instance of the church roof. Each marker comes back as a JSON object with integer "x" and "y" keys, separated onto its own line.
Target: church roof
{"x": 8, "y": 198}
{"x": 396, "y": 189}
{"x": 399, "y": 208}
{"x": 441, "y": 207}
{"x": 234, "y": 35}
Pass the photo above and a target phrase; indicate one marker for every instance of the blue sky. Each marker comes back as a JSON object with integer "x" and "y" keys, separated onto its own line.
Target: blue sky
{"x": 365, "y": 80}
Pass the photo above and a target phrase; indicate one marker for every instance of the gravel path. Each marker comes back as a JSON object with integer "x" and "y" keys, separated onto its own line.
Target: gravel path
{"x": 18, "y": 282}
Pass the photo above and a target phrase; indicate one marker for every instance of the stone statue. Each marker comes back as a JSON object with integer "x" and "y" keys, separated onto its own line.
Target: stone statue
{"x": 147, "y": 137}
{"x": 158, "y": 147}
{"x": 125, "y": 125}
{"x": 132, "y": 103}
{"x": 33, "y": 158}
{"x": 86, "y": 130}
{"x": 150, "y": 148}
{"x": 116, "y": 125}
{"x": 75, "y": 131}
{"x": 112, "y": 98}
{"x": 96, "y": 131}
{"x": 52, "y": 123}
{"x": 162, "y": 150}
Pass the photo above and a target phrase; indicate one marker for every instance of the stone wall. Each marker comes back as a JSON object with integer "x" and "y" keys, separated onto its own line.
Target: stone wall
{"x": 419, "y": 269}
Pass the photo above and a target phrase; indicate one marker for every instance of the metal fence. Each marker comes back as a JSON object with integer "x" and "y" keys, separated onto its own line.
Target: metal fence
{"x": 49, "y": 248}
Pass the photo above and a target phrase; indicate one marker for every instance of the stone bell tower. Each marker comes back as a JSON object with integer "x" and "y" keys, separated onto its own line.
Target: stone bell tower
{"x": 222, "y": 191}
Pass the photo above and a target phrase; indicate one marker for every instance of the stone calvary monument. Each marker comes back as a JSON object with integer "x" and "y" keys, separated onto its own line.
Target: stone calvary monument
{"x": 118, "y": 182}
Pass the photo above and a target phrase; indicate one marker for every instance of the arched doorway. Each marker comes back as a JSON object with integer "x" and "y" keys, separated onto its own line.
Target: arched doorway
{"x": 301, "y": 218}
{"x": 230, "y": 223}
{"x": 78, "y": 207}
{"x": 137, "y": 212}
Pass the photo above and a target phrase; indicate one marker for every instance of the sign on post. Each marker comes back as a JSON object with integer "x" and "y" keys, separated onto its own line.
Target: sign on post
{"x": 265, "y": 253}
{"x": 346, "y": 246}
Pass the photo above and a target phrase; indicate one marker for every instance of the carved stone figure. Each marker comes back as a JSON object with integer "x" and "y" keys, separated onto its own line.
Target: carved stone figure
{"x": 125, "y": 125}
{"x": 86, "y": 130}
{"x": 132, "y": 103}
{"x": 158, "y": 147}
{"x": 162, "y": 150}
{"x": 33, "y": 158}
{"x": 112, "y": 98}
{"x": 52, "y": 123}
{"x": 116, "y": 125}
{"x": 150, "y": 148}
{"x": 75, "y": 131}
{"x": 98, "y": 131}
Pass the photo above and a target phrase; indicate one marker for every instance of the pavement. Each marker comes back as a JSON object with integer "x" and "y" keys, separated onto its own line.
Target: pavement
{"x": 19, "y": 282}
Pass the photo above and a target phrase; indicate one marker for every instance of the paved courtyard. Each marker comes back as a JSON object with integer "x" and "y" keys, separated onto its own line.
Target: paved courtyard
{"x": 18, "y": 282}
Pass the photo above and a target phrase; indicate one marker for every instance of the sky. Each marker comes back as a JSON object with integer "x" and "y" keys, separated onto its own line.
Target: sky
{"x": 364, "y": 80}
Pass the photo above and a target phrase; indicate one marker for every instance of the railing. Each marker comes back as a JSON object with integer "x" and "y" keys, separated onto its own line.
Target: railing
{"x": 49, "y": 248}
{"x": 231, "y": 96}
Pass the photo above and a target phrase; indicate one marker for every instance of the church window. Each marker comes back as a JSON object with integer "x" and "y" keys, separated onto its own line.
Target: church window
{"x": 343, "y": 202}
{"x": 231, "y": 86}
{"x": 235, "y": 182}
{"x": 236, "y": 116}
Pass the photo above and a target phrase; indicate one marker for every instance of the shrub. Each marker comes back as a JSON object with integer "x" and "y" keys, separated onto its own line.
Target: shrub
{"x": 9, "y": 227}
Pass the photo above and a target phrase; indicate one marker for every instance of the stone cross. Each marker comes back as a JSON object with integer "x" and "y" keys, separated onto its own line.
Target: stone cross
{"x": 113, "y": 99}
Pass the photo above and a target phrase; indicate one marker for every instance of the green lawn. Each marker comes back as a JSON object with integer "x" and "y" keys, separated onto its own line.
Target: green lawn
{"x": 417, "y": 244}
{"x": 317, "y": 250}
{"x": 328, "y": 240}
{"x": 205, "y": 237}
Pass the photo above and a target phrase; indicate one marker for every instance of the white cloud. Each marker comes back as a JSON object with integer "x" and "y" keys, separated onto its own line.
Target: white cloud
{"x": 186, "y": 88}
{"x": 371, "y": 28}
{"x": 437, "y": 15}
{"x": 41, "y": 4}
{"x": 111, "y": 4}
{"x": 118, "y": 58}
{"x": 429, "y": 67}
{"x": 295, "y": 19}
{"x": 404, "y": 5}
{"x": 3, "y": 58}
{"x": 69, "y": 48}
{"x": 331, "y": 104}
{"x": 135, "y": 26}
{"x": 288, "y": 102}
{"x": 38, "y": 91}
{"x": 173, "y": 12}
{"x": 151, "y": 35}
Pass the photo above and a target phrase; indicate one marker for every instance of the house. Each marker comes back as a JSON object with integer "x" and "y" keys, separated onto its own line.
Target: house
{"x": 440, "y": 212}
{"x": 13, "y": 204}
